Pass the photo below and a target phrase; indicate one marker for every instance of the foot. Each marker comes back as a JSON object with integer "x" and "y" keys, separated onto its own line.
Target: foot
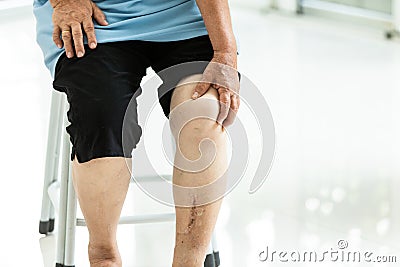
{"x": 101, "y": 256}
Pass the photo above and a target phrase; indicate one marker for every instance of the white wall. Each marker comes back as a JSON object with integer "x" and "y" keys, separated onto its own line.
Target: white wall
{"x": 396, "y": 13}
{"x": 289, "y": 5}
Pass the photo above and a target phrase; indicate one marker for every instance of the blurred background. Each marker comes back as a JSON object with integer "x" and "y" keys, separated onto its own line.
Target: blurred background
{"x": 329, "y": 71}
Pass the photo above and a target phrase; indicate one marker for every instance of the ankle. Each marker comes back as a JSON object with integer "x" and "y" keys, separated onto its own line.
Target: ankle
{"x": 101, "y": 255}
{"x": 106, "y": 263}
{"x": 188, "y": 258}
{"x": 186, "y": 263}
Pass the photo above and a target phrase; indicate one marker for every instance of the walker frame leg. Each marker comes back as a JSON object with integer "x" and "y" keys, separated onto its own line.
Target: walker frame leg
{"x": 210, "y": 260}
{"x": 69, "y": 257}
{"x": 46, "y": 224}
{"x": 215, "y": 249}
{"x": 63, "y": 205}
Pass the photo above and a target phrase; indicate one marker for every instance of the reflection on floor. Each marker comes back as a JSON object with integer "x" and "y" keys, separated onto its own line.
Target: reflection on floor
{"x": 334, "y": 93}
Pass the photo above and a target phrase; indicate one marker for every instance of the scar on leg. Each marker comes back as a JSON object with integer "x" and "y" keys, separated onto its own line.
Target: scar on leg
{"x": 195, "y": 211}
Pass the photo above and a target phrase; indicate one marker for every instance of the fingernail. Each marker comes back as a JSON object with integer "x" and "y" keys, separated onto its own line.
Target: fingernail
{"x": 80, "y": 54}
{"x": 195, "y": 95}
{"x": 106, "y": 21}
{"x": 92, "y": 45}
{"x": 69, "y": 54}
{"x": 59, "y": 45}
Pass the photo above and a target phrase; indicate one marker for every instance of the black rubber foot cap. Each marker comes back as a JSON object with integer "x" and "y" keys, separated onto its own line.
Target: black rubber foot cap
{"x": 44, "y": 227}
{"x": 217, "y": 259}
{"x": 51, "y": 225}
{"x": 388, "y": 35}
{"x": 210, "y": 261}
{"x": 62, "y": 265}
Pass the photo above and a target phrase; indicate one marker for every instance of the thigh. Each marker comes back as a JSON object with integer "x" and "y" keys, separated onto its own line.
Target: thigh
{"x": 100, "y": 87}
{"x": 184, "y": 90}
{"x": 193, "y": 121}
{"x": 169, "y": 64}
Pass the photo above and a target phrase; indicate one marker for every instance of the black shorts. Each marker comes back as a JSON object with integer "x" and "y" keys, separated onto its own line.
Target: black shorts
{"x": 101, "y": 85}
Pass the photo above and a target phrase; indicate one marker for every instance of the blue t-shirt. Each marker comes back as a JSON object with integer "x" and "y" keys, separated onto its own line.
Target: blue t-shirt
{"x": 148, "y": 20}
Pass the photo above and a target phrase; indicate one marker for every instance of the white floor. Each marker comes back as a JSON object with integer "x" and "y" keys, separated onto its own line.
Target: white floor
{"x": 333, "y": 89}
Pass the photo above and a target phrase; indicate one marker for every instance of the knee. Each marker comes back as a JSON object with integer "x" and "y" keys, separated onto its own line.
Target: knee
{"x": 196, "y": 119}
{"x": 195, "y": 129}
{"x": 199, "y": 129}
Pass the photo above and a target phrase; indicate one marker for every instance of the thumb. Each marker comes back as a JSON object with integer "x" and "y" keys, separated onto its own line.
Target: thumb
{"x": 98, "y": 15}
{"x": 203, "y": 85}
{"x": 200, "y": 89}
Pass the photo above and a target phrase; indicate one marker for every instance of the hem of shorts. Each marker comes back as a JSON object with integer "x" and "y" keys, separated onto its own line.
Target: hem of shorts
{"x": 98, "y": 155}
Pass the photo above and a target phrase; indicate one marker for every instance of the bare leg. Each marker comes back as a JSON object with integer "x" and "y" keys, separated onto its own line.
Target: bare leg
{"x": 101, "y": 185}
{"x": 194, "y": 225}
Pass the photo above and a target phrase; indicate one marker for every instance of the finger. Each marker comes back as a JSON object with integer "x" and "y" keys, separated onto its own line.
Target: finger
{"x": 98, "y": 15}
{"x": 202, "y": 86}
{"x": 89, "y": 30}
{"x": 67, "y": 39}
{"x": 224, "y": 104}
{"x": 77, "y": 36}
{"x": 234, "y": 107}
{"x": 215, "y": 86}
{"x": 200, "y": 89}
{"x": 56, "y": 37}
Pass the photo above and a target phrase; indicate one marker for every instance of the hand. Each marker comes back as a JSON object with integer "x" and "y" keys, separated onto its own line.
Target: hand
{"x": 69, "y": 17}
{"x": 222, "y": 75}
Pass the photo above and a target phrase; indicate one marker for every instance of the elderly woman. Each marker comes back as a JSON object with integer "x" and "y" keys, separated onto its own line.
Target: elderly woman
{"x": 97, "y": 53}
